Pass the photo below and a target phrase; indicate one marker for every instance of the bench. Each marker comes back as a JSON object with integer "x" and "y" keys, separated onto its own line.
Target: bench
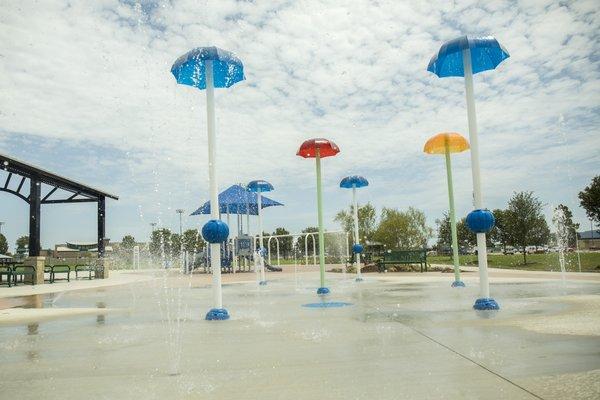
{"x": 21, "y": 271}
{"x": 396, "y": 257}
{"x": 84, "y": 268}
{"x": 60, "y": 269}
{"x": 48, "y": 270}
{"x": 6, "y": 270}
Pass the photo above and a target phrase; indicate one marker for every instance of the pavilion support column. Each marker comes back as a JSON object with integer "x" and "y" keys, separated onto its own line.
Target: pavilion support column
{"x": 103, "y": 264}
{"x": 34, "y": 259}
{"x": 35, "y": 201}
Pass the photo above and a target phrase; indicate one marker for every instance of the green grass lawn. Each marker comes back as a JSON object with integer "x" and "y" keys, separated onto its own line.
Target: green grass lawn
{"x": 590, "y": 262}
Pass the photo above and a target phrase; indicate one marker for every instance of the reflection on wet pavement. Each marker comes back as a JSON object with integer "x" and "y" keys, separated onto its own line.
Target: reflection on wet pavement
{"x": 100, "y": 318}
{"x": 32, "y": 329}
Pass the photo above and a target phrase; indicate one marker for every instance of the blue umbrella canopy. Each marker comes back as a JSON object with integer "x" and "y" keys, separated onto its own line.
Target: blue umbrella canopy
{"x": 237, "y": 200}
{"x": 353, "y": 181}
{"x": 486, "y": 53}
{"x": 259, "y": 186}
{"x": 190, "y": 68}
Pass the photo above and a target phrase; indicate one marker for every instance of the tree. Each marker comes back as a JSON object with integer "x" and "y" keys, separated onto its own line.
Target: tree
{"x": 402, "y": 229}
{"x": 300, "y": 241}
{"x": 500, "y": 233}
{"x": 22, "y": 242}
{"x": 175, "y": 245}
{"x": 525, "y": 224}
{"x": 444, "y": 234}
{"x": 466, "y": 237}
{"x": 590, "y": 199}
{"x": 285, "y": 243}
{"x": 3, "y": 244}
{"x": 565, "y": 227}
{"x": 160, "y": 242}
{"x": 366, "y": 221}
{"x": 127, "y": 243}
{"x": 192, "y": 241}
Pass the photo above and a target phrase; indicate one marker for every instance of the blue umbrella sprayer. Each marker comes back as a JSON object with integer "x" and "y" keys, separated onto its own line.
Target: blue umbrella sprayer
{"x": 259, "y": 187}
{"x": 207, "y": 68}
{"x": 353, "y": 182}
{"x": 464, "y": 57}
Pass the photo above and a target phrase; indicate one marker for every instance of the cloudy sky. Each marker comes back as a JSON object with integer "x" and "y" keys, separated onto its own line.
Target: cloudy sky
{"x": 86, "y": 92}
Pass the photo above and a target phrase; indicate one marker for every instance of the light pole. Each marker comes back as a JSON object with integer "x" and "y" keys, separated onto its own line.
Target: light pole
{"x": 180, "y": 211}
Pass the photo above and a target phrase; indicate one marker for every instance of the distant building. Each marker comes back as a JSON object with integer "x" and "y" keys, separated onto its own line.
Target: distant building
{"x": 589, "y": 240}
{"x": 80, "y": 250}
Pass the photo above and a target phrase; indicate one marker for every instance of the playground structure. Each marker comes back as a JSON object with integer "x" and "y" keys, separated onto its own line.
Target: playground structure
{"x": 335, "y": 251}
{"x": 237, "y": 254}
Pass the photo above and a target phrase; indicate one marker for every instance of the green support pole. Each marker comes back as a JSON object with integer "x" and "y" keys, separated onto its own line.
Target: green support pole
{"x": 320, "y": 216}
{"x": 452, "y": 217}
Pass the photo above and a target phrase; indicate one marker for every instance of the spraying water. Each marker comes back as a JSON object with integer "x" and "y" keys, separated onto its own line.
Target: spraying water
{"x": 562, "y": 237}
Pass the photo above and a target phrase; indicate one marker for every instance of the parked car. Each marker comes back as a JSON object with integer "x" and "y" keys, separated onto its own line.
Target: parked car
{"x": 530, "y": 249}
{"x": 509, "y": 250}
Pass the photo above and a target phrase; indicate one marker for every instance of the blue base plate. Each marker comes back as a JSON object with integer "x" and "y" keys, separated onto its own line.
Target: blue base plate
{"x": 486, "y": 303}
{"x": 458, "y": 284}
{"x": 262, "y": 283}
{"x": 327, "y": 304}
{"x": 358, "y": 279}
{"x": 217, "y": 314}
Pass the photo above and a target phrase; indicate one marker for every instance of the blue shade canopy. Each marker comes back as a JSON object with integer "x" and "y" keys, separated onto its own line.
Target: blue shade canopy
{"x": 353, "y": 181}
{"x": 237, "y": 200}
{"x": 259, "y": 186}
{"x": 486, "y": 53}
{"x": 190, "y": 68}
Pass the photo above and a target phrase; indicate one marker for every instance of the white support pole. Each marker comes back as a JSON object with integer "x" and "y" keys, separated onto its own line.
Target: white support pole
{"x": 484, "y": 286}
{"x": 347, "y": 245}
{"x": 263, "y": 277}
{"x": 215, "y": 248}
{"x": 356, "y": 236}
{"x": 306, "y": 250}
{"x": 347, "y": 253}
{"x": 206, "y": 247}
{"x": 277, "y": 244}
{"x": 269, "y": 248}
{"x": 229, "y": 241}
{"x": 234, "y": 259}
{"x": 247, "y": 215}
{"x": 577, "y": 250}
